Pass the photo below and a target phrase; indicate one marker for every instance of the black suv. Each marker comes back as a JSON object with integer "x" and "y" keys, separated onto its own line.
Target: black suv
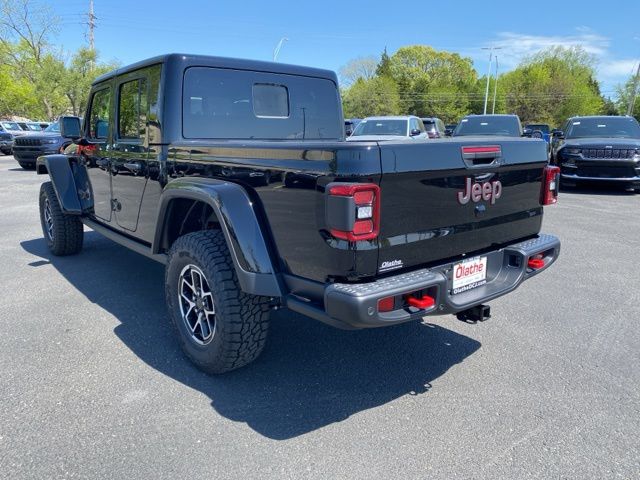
{"x": 28, "y": 148}
{"x": 599, "y": 149}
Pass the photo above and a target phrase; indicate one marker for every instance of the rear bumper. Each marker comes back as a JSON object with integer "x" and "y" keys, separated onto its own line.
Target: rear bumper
{"x": 353, "y": 306}
{"x": 569, "y": 177}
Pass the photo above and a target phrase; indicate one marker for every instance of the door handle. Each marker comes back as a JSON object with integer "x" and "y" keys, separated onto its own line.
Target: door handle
{"x": 134, "y": 167}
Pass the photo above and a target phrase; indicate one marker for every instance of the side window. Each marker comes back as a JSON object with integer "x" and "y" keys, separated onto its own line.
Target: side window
{"x": 132, "y": 109}
{"x": 99, "y": 116}
{"x": 413, "y": 124}
{"x": 270, "y": 101}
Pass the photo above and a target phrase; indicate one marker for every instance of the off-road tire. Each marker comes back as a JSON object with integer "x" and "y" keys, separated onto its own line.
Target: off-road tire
{"x": 27, "y": 165}
{"x": 67, "y": 231}
{"x": 241, "y": 320}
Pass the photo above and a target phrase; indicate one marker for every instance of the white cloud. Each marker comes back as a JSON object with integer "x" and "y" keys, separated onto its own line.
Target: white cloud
{"x": 616, "y": 69}
{"x": 515, "y": 47}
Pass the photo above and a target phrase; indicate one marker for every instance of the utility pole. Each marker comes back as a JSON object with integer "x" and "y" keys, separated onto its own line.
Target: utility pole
{"x": 634, "y": 92}
{"x": 495, "y": 89}
{"x": 91, "y": 22}
{"x": 486, "y": 93}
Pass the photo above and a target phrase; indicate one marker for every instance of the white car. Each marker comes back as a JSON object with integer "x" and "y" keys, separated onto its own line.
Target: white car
{"x": 389, "y": 128}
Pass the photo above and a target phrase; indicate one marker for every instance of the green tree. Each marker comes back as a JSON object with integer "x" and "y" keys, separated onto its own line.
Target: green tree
{"x": 625, "y": 92}
{"x": 376, "y": 96}
{"x": 81, "y": 71}
{"x": 432, "y": 82}
{"x": 35, "y": 80}
{"x": 383, "y": 69}
{"x": 25, "y": 30}
{"x": 362, "y": 67}
{"x": 553, "y": 85}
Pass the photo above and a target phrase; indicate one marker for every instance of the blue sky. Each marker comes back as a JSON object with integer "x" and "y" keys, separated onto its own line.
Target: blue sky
{"x": 328, "y": 34}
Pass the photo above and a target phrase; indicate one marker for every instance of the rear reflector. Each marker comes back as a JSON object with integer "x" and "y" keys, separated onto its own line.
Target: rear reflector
{"x": 550, "y": 185}
{"x": 423, "y": 302}
{"x": 386, "y": 304}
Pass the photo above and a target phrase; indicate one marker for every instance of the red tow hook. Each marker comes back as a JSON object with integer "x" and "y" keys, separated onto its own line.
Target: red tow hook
{"x": 423, "y": 303}
{"x": 536, "y": 262}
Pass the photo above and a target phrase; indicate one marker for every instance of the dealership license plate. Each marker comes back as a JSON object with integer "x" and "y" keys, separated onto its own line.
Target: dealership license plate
{"x": 469, "y": 274}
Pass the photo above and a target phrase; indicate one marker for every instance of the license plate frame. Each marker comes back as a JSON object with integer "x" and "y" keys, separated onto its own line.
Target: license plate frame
{"x": 468, "y": 274}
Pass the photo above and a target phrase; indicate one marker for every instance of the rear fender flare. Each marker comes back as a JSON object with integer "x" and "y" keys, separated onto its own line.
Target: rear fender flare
{"x": 239, "y": 223}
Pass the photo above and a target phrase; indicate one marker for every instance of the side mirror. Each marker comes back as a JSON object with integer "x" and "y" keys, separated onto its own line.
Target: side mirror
{"x": 70, "y": 127}
{"x": 415, "y": 132}
{"x": 527, "y": 132}
{"x": 559, "y": 134}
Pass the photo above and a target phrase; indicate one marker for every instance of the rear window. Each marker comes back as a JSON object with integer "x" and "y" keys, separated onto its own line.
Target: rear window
{"x": 506, "y": 126}
{"x": 543, "y": 128}
{"x": 381, "y": 127}
{"x": 235, "y": 104}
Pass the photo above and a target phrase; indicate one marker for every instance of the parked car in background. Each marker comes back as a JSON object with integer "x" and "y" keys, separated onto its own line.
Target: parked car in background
{"x": 28, "y": 148}
{"x": 496, "y": 125}
{"x": 350, "y": 124}
{"x": 434, "y": 126}
{"x": 543, "y": 128}
{"x": 6, "y": 143}
{"x": 389, "y": 128}
{"x": 599, "y": 149}
{"x": 449, "y": 128}
{"x": 11, "y": 127}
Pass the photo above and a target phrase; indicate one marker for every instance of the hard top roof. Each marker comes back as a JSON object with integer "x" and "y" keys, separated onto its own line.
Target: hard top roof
{"x": 187, "y": 60}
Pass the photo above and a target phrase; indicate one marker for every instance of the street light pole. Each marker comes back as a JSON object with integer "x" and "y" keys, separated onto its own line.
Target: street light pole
{"x": 486, "y": 93}
{"x": 495, "y": 89}
{"x": 634, "y": 92}
{"x": 276, "y": 51}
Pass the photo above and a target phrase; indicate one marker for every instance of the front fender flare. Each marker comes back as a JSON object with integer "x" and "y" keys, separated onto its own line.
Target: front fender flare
{"x": 239, "y": 223}
{"x": 64, "y": 183}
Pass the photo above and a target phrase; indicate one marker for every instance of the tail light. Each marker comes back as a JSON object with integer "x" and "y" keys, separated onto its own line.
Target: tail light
{"x": 550, "y": 185}
{"x": 353, "y": 211}
{"x": 88, "y": 149}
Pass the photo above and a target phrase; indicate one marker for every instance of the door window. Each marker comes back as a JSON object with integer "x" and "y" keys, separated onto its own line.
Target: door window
{"x": 99, "y": 116}
{"x": 132, "y": 109}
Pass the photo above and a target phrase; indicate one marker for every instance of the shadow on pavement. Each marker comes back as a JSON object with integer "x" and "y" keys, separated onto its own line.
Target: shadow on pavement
{"x": 309, "y": 375}
{"x": 597, "y": 189}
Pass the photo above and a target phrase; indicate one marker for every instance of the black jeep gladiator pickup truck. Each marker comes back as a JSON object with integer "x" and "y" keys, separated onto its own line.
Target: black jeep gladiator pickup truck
{"x": 356, "y": 235}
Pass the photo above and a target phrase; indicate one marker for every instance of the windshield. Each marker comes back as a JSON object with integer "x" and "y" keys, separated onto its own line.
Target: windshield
{"x": 381, "y": 127}
{"x": 542, "y": 127}
{"x": 54, "y": 127}
{"x": 11, "y": 126}
{"x": 617, "y": 127}
{"x": 505, "y": 126}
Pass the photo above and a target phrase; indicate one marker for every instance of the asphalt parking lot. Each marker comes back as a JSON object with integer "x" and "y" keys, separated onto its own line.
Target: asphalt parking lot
{"x": 93, "y": 384}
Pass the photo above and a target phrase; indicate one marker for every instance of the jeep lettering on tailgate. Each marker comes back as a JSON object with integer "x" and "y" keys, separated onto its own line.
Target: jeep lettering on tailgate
{"x": 488, "y": 191}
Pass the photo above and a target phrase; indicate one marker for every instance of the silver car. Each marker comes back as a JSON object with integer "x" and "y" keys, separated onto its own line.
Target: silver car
{"x": 405, "y": 127}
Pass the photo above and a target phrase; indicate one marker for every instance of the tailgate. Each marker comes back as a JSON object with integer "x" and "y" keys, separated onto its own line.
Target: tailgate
{"x": 438, "y": 202}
